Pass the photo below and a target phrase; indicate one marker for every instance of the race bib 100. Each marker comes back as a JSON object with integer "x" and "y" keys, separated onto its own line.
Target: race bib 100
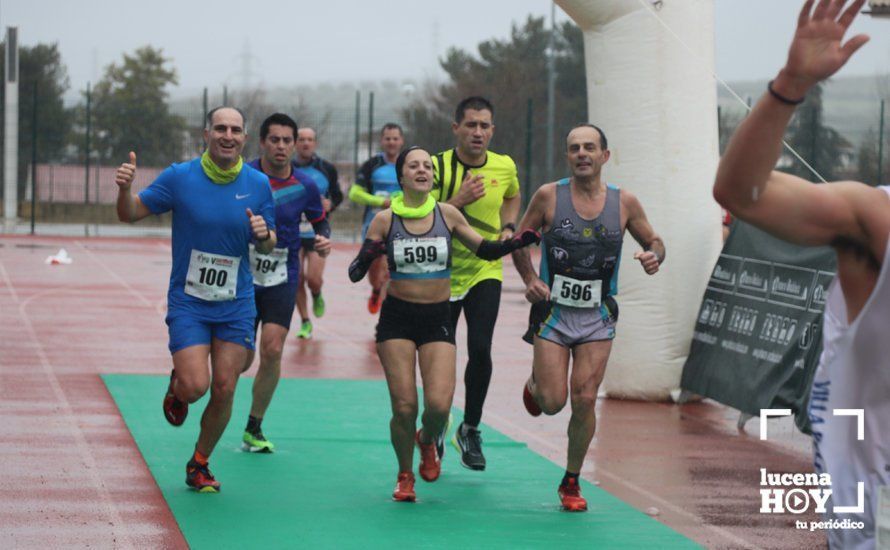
{"x": 572, "y": 292}
{"x": 268, "y": 269}
{"x": 212, "y": 277}
{"x": 421, "y": 255}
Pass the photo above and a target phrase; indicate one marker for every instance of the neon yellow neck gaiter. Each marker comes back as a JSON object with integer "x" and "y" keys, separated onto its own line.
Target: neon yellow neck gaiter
{"x": 217, "y": 174}
{"x": 398, "y": 207}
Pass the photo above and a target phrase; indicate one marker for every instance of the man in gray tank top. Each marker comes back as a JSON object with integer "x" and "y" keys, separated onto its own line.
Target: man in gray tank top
{"x": 574, "y": 311}
{"x": 854, "y": 219}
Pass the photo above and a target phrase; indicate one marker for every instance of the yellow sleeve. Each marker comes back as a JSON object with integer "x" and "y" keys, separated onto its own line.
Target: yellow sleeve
{"x": 359, "y": 196}
{"x": 513, "y": 184}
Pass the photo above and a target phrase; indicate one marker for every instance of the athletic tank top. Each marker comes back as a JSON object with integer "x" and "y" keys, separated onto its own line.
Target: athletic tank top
{"x": 580, "y": 257}
{"x": 854, "y": 373}
{"x": 426, "y": 256}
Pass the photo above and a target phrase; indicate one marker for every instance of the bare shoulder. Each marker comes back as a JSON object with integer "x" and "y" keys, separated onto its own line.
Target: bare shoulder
{"x": 451, "y": 214}
{"x": 379, "y": 227}
{"x": 629, "y": 201}
{"x": 448, "y": 210}
{"x": 545, "y": 194}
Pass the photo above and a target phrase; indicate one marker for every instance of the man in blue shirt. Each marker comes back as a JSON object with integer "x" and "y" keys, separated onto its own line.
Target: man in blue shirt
{"x": 375, "y": 184}
{"x": 324, "y": 174}
{"x": 219, "y": 207}
{"x": 276, "y": 275}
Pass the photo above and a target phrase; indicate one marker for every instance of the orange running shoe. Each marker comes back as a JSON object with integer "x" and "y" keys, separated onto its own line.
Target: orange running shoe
{"x": 175, "y": 410}
{"x": 529, "y": 401}
{"x": 200, "y": 478}
{"x": 429, "y": 467}
{"x": 374, "y": 302}
{"x": 570, "y": 495}
{"x": 404, "y": 491}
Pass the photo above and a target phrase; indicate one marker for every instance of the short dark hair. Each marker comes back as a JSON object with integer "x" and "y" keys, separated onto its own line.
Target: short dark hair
{"x": 400, "y": 161}
{"x": 280, "y": 119}
{"x": 475, "y": 102}
{"x": 604, "y": 142}
{"x": 215, "y": 109}
{"x": 391, "y": 126}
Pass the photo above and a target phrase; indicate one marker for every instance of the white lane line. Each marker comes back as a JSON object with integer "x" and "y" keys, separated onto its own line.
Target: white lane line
{"x": 8, "y": 281}
{"x": 135, "y": 293}
{"x": 119, "y": 530}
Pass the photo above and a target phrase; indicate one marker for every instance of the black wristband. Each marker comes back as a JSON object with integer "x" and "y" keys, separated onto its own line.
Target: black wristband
{"x": 510, "y": 226}
{"x": 781, "y": 98}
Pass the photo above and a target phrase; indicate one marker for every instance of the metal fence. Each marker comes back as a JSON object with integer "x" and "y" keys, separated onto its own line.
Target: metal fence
{"x": 74, "y": 192}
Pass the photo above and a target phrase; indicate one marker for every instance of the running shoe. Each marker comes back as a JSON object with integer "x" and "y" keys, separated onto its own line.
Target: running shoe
{"x": 305, "y": 332}
{"x": 470, "y": 446}
{"x": 256, "y": 443}
{"x": 175, "y": 410}
{"x": 429, "y": 467}
{"x": 404, "y": 491}
{"x": 200, "y": 478}
{"x": 529, "y": 401}
{"x": 318, "y": 305}
{"x": 570, "y": 496}
{"x": 374, "y": 303}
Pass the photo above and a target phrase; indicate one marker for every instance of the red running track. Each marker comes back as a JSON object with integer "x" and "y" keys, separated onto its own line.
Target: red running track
{"x": 72, "y": 476}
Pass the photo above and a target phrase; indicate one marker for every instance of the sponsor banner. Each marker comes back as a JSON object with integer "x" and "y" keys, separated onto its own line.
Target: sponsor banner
{"x": 758, "y": 333}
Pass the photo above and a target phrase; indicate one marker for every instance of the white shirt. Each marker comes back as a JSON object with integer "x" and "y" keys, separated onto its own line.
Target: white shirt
{"x": 854, "y": 373}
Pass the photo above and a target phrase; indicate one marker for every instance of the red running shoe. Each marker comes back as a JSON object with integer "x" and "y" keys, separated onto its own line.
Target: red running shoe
{"x": 374, "y": 303}
{"x": 570, "y": 495}
{"x": 429, "y": 467}
{"x": 200, "y": 478}
{"x": 529, "y": 401}
{"x": 404, "y": 491}
{"x": 175, "y": 410}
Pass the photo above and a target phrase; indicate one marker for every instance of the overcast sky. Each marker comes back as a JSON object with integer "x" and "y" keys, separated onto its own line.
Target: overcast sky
{"x": 221, "y": 42}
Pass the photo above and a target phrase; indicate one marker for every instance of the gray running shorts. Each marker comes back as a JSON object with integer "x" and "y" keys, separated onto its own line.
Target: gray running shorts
{"x": 571, "y": 326}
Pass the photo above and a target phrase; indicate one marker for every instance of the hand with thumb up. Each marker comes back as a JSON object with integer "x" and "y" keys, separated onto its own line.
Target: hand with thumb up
{"x": 258, "y": 227}
{"x": 126, "y": 172}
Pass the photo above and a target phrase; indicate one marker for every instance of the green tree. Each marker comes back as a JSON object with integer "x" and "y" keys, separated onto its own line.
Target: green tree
{"x": 823, "y": 147}
{"x": 509, "y": 72}
{"x": 39, "y": 66}
{"x": 131, "y": 113}
{"x": 867, "y": 160}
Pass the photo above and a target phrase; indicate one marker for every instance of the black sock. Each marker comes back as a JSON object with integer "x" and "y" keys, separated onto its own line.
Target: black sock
{"x": 253, "y": 424}
{"x": 568, "y": 476}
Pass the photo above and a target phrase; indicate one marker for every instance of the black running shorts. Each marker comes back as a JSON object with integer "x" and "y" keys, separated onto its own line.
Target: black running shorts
{"x": 275, "y": 304}
{"x": 420, "y": 323}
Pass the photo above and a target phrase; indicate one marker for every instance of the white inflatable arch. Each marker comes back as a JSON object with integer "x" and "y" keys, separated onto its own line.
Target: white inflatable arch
{"x": 650, "y": 86}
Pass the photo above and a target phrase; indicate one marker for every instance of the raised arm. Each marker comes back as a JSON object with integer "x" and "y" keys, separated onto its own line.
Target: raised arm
{"x": 129, "y": 206}
{"x": 784, "y": 205}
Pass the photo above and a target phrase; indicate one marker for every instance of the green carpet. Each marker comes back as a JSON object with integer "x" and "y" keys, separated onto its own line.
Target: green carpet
{"x": 329, "y": 483}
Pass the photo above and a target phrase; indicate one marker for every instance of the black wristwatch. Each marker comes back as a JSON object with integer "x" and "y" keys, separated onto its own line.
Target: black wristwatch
{"x": 510, "y": 226}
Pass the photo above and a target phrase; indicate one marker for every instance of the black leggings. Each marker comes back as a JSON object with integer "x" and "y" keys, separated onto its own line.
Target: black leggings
{"x": 480, "y": 307}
